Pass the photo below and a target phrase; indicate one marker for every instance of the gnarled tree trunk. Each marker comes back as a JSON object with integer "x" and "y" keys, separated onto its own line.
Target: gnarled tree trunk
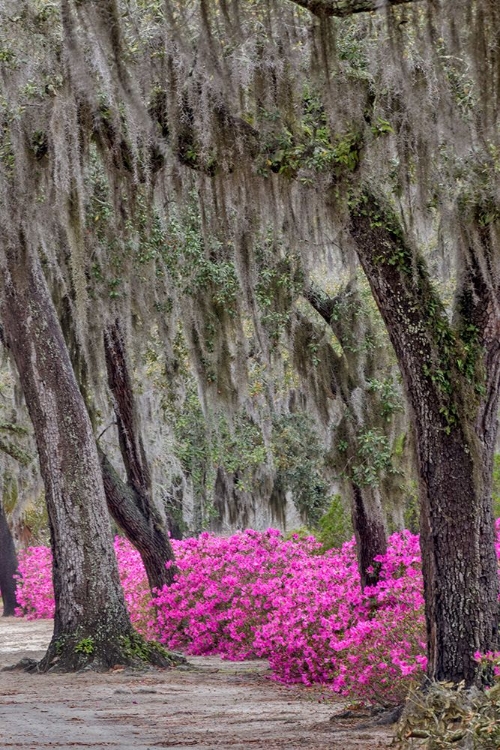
{"x": 458, "y": 547}
{"x": 131, "y": 504}
{"x": 91, "y": 621}
{"x": 455, "y": 421}
{"x": 8, "y": 567}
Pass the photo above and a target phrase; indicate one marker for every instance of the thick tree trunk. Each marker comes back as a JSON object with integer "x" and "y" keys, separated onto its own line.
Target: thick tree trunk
{"x": 455, "y": 422}
{"x": 458, "y": 550}
{"x": 91, "y": 621}
{"x": 132, "y": 505}
{"x": 8, "y": 567}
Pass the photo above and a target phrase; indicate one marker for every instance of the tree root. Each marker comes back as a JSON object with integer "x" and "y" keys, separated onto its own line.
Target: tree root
{"x": 75, "y": 654}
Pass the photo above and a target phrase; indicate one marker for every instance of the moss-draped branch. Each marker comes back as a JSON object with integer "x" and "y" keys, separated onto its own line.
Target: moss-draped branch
{"x": 343, "y": 8}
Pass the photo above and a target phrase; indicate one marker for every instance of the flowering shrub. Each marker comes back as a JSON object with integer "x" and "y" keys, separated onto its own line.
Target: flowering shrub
{"x": 319, "y": 601}
{"x": 135, "y": 587}
{"x": 257, "y": 595}
{"x": 383, "y": 655}
{"x": 34, "y": 591}
{"x": 489, "y": 661}
{"x": 226, "y": 589}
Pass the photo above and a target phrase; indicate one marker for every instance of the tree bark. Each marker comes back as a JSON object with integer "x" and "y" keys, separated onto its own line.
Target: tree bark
{"x": 455, "y": 421}
{"x": 8, "y": 567}
{"x": 149, "y": 539}
{"x": 131, "y": 504}
{"x": 370, "y": 533}
{"x": 91, "y": 621}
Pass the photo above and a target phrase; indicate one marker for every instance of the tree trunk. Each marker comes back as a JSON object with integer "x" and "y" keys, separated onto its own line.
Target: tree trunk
{"x": 132, "y": 505}
{"x": 8, "y": 567}
{"x": 91, "y": 621}
{"x": 455, "y": 423}
{"x": 150, "y": 540}
{"x": 458, "y": 550}
{"x": 370, "y": 532}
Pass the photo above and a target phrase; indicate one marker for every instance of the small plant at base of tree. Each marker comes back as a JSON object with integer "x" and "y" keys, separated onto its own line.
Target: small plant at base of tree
{"x": 85, "y": 646}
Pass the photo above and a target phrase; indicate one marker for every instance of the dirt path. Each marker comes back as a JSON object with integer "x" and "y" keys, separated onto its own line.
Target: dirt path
{"x": 212, "y": 704}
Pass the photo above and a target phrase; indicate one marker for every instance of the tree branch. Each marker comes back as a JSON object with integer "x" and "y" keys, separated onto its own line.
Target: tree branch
{"x": 329, "y": 309}
{"x": 131, "y": 504}
{"x": 321, "y": 302}
{"x": 343, "y": 8}
{"x": 131, "y": 445}
{"x": 149, "y": 539}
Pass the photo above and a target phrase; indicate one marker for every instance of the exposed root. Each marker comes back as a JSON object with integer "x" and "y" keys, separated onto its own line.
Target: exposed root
{"x": 23, "y": 665}
{"x": 376, "y": 716}
{"x": 74, "y": 654}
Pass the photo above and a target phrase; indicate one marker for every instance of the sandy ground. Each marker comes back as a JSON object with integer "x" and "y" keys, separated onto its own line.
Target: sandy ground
{"x": 210, "y": 704}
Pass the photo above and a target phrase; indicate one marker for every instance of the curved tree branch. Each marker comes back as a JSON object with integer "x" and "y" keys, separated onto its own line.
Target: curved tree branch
{"x": 131, "y": 504}
{"x": 150, "y": 539}
{"x": 343, "y": 8}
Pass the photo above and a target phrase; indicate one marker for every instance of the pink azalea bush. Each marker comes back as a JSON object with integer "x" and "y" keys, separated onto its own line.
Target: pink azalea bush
{"x": 135, "y": 587}
{"x": 226, "y": 589}
{"x": 35, "y": 593}
{"x": 257, "y": 595}
{"x": 383, "y": 655}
